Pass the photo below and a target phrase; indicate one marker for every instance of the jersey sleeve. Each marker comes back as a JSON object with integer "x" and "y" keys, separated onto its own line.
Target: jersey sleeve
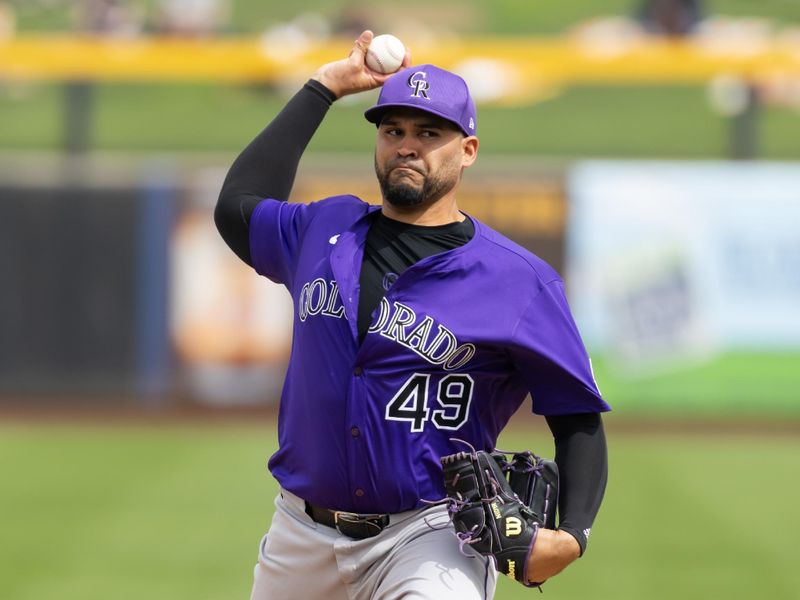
{"x": 276, "y": 232}
{"x": 548, "y": 352}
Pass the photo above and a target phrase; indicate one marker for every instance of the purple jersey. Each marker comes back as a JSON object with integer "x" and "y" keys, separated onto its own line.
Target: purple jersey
{"x": 454, "y": 347}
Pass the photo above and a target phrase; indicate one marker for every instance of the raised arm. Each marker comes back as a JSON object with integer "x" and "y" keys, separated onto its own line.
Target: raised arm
{"x": 266, "y": 168}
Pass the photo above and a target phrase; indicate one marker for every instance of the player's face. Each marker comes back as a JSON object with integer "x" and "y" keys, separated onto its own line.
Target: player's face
{"x": 419, "y": 157}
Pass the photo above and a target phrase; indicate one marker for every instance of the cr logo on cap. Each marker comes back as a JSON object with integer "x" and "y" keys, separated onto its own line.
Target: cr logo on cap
{"x": 420, "y": 86}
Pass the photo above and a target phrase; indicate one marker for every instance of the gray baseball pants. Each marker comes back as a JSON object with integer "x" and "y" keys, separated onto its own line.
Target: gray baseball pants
{"x": 408, "y": 560}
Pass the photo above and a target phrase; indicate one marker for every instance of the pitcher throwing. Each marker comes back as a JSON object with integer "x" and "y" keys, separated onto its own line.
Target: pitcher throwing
{"x": 415, "y": 325}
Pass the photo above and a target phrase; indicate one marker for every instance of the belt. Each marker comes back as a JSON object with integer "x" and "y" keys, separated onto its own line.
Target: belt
{"x": 352, "y": 525}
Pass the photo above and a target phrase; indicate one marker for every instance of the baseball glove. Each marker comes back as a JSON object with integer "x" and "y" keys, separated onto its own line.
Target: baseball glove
{"x": 497, "y": 506}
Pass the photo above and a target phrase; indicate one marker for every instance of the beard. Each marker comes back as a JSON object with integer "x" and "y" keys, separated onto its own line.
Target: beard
{"x": 403, "y": 193}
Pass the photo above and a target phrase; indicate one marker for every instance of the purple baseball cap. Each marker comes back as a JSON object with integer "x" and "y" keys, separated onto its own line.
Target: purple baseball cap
{"x": 431, "y": 89}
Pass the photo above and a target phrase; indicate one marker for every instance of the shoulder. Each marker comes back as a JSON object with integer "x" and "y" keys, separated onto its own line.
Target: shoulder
{"x": 341, "y": 202}
{"x": 341, "y": 209}
{"x": 511, "y": 259}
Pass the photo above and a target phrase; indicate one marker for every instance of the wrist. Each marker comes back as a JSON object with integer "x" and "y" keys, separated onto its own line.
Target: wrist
{"x": 568, "y": 545}
{"x": 321, "y": 78}
{"x": 320, "y": 90}
{"x": 552, "y": 552}
{"x": 577, "y": 536}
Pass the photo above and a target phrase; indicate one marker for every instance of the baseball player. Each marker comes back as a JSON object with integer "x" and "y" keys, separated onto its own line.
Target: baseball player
{"x": 415, "y": 325}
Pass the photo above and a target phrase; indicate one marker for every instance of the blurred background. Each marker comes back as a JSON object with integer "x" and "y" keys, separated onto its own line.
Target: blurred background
{"x": 648, "y": 149}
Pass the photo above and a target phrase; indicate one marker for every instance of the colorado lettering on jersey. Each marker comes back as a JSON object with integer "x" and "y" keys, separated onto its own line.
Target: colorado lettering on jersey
{"x": 397, "y": 322}
{"x": 320, "y": 297}
{"x": 400, "y": 323}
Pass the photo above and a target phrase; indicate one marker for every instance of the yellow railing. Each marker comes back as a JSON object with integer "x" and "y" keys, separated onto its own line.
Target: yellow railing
{"x": 526, "y": 62}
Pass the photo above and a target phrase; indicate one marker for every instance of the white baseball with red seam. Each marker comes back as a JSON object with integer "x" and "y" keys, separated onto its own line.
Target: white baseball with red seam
{"x": 385, "y": 53}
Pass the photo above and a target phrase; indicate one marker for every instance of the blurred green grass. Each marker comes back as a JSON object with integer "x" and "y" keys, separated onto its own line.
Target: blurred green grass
{"x": 176, "y": 511}
{"x": 633, "y": 122}
{"x": 729, "y": 384}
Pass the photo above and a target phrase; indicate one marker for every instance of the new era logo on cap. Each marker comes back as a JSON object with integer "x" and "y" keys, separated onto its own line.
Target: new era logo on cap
{"x": 428, "y": 88}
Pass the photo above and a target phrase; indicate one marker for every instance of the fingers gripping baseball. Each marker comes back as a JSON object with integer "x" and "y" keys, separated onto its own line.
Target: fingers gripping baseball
{"x": 352, "y": 75}
{"x": 358, "y": 53}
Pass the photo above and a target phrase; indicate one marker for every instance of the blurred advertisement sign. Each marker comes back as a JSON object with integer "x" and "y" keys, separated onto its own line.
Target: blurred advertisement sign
{"x": 231, "y": 329}
{"x": 221, "y": 311}
{"x": 674, "y": 265}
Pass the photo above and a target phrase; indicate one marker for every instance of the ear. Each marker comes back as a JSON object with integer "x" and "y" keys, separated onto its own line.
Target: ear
{"x": 469, "y": 150}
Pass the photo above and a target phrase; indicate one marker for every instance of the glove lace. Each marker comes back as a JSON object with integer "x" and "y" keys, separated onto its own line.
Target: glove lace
{"x": 465, "y": 538}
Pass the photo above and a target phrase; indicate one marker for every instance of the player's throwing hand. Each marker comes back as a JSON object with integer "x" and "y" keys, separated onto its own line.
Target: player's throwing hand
{"x": 352, "y": 75}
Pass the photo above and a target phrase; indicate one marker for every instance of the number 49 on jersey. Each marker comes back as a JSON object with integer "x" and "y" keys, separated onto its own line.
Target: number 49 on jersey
{"x": 453, "y": 396}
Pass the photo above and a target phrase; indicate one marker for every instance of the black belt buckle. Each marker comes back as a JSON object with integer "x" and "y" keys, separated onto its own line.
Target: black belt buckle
{"x": 359, "y": 526}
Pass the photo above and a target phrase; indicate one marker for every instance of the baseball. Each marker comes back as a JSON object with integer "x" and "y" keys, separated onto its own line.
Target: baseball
{"x": 385, "y": 54}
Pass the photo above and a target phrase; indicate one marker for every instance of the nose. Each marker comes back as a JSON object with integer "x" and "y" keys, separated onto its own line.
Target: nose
{"x": 407, "y": 148}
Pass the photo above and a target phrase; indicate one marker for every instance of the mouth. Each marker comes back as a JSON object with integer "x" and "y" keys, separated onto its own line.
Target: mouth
{"x": 405, "y": 169}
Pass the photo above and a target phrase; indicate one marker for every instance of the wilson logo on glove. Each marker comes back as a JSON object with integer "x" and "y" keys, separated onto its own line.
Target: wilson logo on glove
{"x": 513, "y": 527}
{"x": 512, "y": 570}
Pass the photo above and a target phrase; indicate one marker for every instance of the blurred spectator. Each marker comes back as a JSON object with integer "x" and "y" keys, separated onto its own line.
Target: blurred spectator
{"x": 352, "y": 20}
{"x": 8, "y": 20}
{"x": 285, "y": 41}
{"x": 191, "y": 18}
{"x": 110, "y": 17}
{"x": 670, "y": 17}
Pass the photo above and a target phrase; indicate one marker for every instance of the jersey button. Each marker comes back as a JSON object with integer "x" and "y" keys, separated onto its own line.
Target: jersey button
{"x": 355, "y": 432}
{"x": 357, "y": 371}
{"x": 359, "y": 492}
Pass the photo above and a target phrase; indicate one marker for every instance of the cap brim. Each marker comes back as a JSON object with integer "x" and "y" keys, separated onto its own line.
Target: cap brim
{"x": 375, "y": 114}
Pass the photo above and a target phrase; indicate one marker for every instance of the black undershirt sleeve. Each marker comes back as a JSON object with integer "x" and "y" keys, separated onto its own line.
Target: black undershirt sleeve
{"x": 582, "y": 458}
{"x": 267, "y": 167}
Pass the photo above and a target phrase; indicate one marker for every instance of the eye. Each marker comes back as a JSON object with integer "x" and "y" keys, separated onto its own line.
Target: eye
{"x": 429, "y": 134}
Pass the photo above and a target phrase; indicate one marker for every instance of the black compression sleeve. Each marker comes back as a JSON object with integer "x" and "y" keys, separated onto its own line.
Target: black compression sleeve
{"x": 267, "y": 167}
{"x": 582, "y": 459}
